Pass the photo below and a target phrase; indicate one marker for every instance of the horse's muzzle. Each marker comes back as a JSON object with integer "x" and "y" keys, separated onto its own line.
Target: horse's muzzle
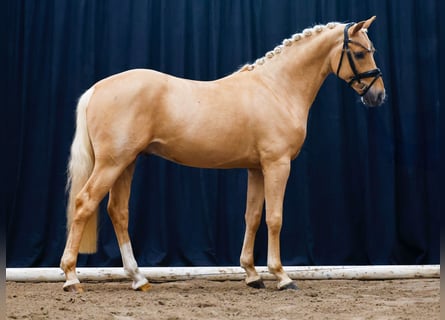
{"x": 374, "y": 98}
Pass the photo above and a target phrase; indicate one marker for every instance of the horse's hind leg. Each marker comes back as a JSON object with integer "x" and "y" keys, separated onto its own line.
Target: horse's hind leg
{"x": 118, "y": 211}
{"x": 87, "y": 201}
{"x": 254, "y": 209}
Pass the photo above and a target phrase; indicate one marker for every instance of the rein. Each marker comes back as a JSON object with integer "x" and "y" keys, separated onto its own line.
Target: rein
{"x": 374, "y": 73}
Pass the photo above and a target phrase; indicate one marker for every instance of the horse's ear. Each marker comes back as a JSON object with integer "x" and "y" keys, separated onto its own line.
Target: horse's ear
{"x": 369, "y": 22}
{"x": 363, "y": 25}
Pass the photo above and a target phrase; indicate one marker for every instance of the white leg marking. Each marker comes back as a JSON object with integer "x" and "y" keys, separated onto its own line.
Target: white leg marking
{"x": 71, "y": 282}
{"x": 131, "y": 267}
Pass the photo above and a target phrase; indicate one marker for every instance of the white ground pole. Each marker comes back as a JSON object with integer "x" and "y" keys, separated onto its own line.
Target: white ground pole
{"x": 161, "y": 274}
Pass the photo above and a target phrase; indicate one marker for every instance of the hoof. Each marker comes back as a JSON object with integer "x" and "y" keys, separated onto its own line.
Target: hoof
{"x": 141, "y": 285}
{"x": 289, "y": 286}
{"x": 75, "y": 288}
{"x": 257, "y": 284}
{"x": 144, "y": 287}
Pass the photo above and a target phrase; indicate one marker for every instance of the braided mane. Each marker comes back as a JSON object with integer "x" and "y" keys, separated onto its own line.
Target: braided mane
{"x": 308, "y": 32}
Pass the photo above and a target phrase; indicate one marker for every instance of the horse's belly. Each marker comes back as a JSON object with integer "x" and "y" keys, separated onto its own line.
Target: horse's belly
{"x": 205, "y": 155}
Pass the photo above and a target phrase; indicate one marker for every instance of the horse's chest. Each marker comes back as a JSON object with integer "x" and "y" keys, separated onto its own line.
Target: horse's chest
{"x": 296, "y": 141}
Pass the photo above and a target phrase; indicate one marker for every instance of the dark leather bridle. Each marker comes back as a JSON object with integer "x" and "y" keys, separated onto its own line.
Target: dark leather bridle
{"x": 375, "y": 73}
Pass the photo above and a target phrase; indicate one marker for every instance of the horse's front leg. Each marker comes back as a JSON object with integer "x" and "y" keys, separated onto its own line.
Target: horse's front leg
{"x": 254, "y": 209}
{"x": 275, "y": 178}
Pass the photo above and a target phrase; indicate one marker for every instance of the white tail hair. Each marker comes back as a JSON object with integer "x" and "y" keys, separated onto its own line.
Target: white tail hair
{"x": 80, "y": 166}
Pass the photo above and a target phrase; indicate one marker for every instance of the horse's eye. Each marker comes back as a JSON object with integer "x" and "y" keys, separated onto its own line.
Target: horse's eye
{"x": 359, "y": 55}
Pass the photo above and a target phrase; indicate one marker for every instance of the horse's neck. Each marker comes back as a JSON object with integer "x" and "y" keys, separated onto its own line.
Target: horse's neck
{"x": 300, "y": 70}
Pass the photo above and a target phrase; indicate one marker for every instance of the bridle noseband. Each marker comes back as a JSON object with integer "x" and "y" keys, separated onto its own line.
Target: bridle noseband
{"x": 375, "y": 73}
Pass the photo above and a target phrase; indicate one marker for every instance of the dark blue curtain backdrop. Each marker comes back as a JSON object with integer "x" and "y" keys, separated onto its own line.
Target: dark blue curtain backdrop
{"x": 364, "y": 190}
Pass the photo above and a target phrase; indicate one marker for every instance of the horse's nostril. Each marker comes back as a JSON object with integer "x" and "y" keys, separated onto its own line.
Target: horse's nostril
{"x": 381, "y": 97}
{"x": 374, "y": 98}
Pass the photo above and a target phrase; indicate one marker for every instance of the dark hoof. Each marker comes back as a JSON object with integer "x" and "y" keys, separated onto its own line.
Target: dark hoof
{"x": 75, "y": 288}
{"x": 257, "y": 284}
{"x": 289, "y": 286}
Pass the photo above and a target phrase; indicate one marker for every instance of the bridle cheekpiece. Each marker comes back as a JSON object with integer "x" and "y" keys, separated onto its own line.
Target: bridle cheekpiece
{"x": 374, "y": 73}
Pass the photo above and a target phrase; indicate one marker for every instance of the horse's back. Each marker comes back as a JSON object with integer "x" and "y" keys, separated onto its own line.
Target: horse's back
{"x": 149, "y": 111}
{"x": 222, "y": 123}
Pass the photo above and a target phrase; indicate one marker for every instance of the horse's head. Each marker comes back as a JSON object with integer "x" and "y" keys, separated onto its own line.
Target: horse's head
{"x": 356, "y": 63}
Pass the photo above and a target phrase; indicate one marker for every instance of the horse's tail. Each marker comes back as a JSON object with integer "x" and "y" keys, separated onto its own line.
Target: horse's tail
{"x": 80, "y": 166}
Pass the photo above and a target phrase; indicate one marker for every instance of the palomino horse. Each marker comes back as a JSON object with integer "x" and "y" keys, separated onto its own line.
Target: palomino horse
{"x": 254, "y": 118}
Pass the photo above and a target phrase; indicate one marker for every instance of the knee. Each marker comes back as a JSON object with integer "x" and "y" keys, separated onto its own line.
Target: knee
{"x": 253, "y": 218}
{"x": 274, "y": 222}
